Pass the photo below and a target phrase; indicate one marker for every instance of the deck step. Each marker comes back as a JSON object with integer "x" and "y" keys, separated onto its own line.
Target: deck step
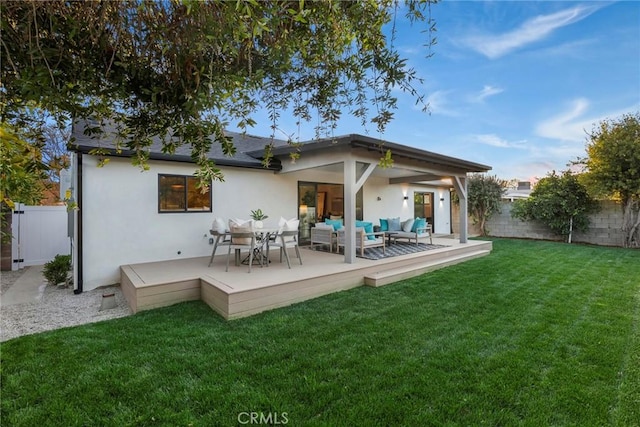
{"x": 393, "y": 275}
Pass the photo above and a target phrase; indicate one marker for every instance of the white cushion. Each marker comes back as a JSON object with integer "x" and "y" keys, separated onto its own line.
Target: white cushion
{"x": 218, "y": 225}
{"x": 288, "y": 224}
{"x": 407, "y": 225}
{"x": 237, "y": 221}
{"x": 324, "y": 226}
{"x": 375, "y": 242}
{"x": 246, "y": 227}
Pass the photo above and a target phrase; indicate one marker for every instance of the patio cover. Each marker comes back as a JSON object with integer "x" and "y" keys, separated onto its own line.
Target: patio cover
{"x": 357, "y": 157}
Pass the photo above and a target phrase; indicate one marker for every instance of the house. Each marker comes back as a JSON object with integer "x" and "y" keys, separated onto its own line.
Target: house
{"x": 127, "y": 216}
{"x": 521, "y": 191}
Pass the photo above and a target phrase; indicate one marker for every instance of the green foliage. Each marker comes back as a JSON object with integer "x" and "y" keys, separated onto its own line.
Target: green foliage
{"x": 613, "y": 169}
{"x": 56, "y": 270}
{"x": 613, "y": 162}
{"x": 547, "y": 335}
{"x": 258, "y": 215}
{"x": 21, "y": 169}
{"x": 560, "y": 202}
{"x": 181, "y": 71}
{"x": 484, "y": 194}
{"x": 21, "y": 172}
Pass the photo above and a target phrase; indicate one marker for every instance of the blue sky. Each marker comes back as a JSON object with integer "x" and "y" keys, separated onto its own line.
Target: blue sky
{"x": 514, "y": 84}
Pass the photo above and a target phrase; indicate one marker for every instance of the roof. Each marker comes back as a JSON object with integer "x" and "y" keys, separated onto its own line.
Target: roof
{"x": 244, "y": 143}
{"x": 373, "y": 144}
{"x": 250, "y": 150}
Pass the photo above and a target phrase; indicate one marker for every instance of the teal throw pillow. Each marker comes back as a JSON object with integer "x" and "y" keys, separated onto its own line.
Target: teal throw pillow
{"x": 336, "y": 223}
{"x": 420, "y": 224}
{"x": 384, "y": 224}
{"x": 368, "y": 228}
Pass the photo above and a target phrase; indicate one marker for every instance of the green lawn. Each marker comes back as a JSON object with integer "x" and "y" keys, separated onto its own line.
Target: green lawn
{"x": 535, "y": 334}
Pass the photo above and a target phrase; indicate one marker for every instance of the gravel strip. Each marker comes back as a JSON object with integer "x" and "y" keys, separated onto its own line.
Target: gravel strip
{"x": 8, "y": 278}
{"x": 58, "y": 308}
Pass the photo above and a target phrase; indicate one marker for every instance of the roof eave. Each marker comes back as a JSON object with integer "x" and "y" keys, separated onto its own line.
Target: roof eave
{"x": 275, "y": 166}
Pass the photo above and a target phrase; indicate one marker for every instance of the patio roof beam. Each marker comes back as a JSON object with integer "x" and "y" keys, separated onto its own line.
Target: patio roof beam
{"x": 415, "y": 178}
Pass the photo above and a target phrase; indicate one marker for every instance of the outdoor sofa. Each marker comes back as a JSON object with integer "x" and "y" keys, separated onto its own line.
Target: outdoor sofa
{"x": 412, "y": 229}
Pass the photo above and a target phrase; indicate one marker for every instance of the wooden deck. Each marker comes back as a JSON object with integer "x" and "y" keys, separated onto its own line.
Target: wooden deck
{"x": 237, "y": 293}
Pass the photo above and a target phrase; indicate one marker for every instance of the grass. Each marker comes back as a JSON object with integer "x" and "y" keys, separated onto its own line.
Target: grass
{"x": 537, "y": 333}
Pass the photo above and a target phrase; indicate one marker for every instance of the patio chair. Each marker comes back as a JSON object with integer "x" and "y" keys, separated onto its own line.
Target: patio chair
{"x": 220, "y": 239}
{"x": 243, "y": 240}
{"x": 285, "y": 240}
{"x": 323, "y": 236}
{"x": 363, "y": 241}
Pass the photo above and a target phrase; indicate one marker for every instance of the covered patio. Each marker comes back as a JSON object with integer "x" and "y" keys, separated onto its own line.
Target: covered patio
{"x": 236, "y": 293}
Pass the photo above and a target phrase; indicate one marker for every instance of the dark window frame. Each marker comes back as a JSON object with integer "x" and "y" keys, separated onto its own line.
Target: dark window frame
{"x": 186, "y": 180}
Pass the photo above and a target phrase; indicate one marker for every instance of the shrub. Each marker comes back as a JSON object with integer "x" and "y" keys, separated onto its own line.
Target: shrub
{"x": 55, "y": 271}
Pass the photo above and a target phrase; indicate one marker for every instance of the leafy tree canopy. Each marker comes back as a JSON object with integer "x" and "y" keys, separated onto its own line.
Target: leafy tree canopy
{"x": 613, "y": 168}
{"x": 613, "y": 158}
{"x": 559, "y": 201}
{"x": 483, "y": 199}
{"x": 21, "y": 169}
{"x": 184, "y": 70}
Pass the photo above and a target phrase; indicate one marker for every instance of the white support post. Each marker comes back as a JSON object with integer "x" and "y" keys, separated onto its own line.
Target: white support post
{"x": 350, "y": 191}
{"x": 460, "y": 184}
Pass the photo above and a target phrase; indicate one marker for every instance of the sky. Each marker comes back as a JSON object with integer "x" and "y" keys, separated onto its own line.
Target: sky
{"x": 515, "y": 85}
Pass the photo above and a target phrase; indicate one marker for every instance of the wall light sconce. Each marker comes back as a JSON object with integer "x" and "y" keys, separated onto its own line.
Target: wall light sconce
{"x": 442, "y": 199}
{"x": 379, "y": 198}
{"x": 406, "y": 197}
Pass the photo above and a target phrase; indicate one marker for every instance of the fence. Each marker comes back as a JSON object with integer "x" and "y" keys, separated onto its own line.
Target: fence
{"x": 39, "y": 233}
{"x": 605, "y": 227}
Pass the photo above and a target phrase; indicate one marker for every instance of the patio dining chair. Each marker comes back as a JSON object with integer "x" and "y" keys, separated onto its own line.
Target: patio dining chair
{"x": 287, "y": 239}
{"x": 245, "y": 240}
{"x": 220, "y": 239}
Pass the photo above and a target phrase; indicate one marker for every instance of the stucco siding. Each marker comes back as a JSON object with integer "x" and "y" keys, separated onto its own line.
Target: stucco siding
{"x": 121, "y": 223}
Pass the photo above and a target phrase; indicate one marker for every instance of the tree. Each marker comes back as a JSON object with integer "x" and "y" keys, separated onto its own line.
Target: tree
{"x": 21, "y": 172}
{"x": 484, "y": 193}
{"x": 182, "y": 70}
{"x": 559, "y": 201}
{"x": 613, "y": 169}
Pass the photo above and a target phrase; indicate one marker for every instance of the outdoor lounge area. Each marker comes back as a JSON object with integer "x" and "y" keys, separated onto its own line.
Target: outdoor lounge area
{"x": 236, "y": 293}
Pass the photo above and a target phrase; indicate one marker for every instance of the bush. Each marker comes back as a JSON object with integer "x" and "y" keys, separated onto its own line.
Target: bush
{"x": 55, "y": 271}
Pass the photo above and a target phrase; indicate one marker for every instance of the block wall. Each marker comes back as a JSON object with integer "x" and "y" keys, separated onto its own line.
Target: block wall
{"x": 604, "y": 229}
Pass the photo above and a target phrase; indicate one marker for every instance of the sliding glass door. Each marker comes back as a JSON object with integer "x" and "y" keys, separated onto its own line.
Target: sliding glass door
{"x": 319, "y": 201}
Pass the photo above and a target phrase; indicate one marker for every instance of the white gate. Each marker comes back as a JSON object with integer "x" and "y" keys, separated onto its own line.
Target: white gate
{"x": 39, "y": 234}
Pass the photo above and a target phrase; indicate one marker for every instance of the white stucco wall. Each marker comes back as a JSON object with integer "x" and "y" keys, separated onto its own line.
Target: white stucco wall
{"x": 121, "y": 223}
{"x": 392, "y": 203}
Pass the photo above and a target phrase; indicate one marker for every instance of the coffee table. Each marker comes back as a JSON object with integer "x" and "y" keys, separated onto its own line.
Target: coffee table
{"x": 390, "y": 234}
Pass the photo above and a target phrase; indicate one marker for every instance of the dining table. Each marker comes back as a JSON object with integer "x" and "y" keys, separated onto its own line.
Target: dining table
{"x": 261, "y": 251}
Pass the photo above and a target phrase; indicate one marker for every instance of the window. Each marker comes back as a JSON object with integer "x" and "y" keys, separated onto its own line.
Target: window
{"x": 179, "y": 193}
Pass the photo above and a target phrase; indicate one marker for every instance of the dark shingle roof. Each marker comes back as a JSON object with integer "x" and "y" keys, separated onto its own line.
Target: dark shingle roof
{"x": 243, "y": 143}
{"x": 250, "y": 149}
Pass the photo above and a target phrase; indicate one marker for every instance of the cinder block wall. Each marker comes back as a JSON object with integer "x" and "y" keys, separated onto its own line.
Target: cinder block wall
{"x": 604, "y": 229}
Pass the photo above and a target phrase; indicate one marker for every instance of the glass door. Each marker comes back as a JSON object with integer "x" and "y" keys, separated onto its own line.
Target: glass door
{"x": 423, "y": 206}
{"x": 319, "y": 201}
{"x": 307, "y": 202}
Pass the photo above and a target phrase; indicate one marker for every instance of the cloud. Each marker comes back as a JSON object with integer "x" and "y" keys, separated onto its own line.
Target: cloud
{"x": 571, "y": 125}
{"x": 496, "y": 45}
{"x": 438, "y": 101}
{"x": 495, "y": 141}
{"x": 486, "y": 92}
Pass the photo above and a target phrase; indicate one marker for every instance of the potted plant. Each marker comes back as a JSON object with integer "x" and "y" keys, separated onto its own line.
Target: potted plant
{"x": 258, "y": 216}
